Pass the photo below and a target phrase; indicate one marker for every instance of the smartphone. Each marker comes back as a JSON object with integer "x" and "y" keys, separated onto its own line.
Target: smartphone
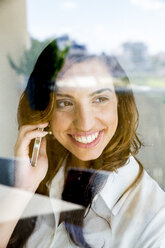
{"x": 36, "y": 149}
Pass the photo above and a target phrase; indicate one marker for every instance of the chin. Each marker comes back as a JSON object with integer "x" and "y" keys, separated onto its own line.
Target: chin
{"x": 87, "y": 157}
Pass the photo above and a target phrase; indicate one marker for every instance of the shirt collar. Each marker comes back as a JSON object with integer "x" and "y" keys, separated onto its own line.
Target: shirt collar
{"x": 116, "y": 185}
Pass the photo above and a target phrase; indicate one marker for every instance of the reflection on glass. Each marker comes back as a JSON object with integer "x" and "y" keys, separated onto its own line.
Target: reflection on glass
{"x": 83, "y": 108}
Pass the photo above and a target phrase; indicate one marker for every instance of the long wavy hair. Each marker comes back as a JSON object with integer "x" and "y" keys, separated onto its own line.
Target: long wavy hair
{"x": 36, "y": 105}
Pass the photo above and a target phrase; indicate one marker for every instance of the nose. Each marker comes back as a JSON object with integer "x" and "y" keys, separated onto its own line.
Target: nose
{"x": 84, "y": 118}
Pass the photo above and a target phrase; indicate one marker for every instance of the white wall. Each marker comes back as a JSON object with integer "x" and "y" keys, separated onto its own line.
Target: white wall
{"x": 13, "y": 39}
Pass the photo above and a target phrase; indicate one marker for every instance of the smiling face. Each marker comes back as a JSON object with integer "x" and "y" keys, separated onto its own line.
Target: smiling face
{"x": 85, "y": 115}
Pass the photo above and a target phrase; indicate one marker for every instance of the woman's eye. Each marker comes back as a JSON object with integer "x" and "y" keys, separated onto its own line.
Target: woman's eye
{"x": 101, "y": 99}
{"x": 63, "y": 104}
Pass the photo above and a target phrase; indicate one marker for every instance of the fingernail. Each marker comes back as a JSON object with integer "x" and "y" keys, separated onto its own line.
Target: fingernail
{"x": 44, "y": 132}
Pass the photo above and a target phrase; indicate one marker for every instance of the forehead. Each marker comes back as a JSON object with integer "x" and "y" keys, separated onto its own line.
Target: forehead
{"x": 89, "y": 66}
{"x": 87, "y": 74}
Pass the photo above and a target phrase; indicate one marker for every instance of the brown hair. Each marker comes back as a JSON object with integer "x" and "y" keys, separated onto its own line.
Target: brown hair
{"x": 124, "y": 142}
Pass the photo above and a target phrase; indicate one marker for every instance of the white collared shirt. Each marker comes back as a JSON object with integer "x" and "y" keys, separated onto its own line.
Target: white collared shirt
{"x": 133, "y": 220}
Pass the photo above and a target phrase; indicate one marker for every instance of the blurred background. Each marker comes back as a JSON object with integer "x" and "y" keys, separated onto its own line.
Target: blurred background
{"x": 131, "y": 30}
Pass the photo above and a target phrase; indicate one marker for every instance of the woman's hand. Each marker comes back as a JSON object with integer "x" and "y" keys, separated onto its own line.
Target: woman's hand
{"x": 28, "y": 177}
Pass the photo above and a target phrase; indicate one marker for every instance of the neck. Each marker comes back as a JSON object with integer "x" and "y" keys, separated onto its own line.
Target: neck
{"x": 75, "y": 162}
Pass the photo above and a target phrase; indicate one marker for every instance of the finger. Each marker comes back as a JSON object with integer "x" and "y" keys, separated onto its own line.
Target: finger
{"x": 27, "y": 128}
{"x": 22, "y": 145}
{"x": 32, "y": 135}
{"x": 24, "y": 130}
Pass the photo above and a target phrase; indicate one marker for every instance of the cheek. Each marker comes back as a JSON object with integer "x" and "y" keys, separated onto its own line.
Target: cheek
{"x": 110, "y": 115}
{"x": 114, "y": 116}
{"x": 60, "y": 122}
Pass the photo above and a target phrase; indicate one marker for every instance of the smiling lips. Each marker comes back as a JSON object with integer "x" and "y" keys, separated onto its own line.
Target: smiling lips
{"x": 87, "y": 141}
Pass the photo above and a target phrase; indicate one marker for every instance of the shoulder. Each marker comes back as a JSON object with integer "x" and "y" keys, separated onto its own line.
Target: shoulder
{"x": 142, "y": 211}
{"x": 152, "y": 207}
{"x": 146, "y": 187}
{"x": 151, "y": 191}
{"x": 145, "y": 193}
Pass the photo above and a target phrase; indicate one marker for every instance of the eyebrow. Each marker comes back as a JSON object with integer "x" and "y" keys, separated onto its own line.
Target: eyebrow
{"x": 92, "y": 94}
{"x": 100, "y": 91}
{"x": 64, "y": 95}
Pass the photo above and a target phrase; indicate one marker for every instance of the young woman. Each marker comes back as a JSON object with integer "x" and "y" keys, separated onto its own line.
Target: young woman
{"x": 88, "y": 105}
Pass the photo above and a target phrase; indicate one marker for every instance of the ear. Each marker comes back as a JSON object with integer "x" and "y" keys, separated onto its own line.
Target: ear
{"x": 48, "y": 129}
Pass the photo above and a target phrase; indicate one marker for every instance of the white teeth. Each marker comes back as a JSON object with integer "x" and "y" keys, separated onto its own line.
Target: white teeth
{"x": 86, "y": 139}
{"x": 89, "y": 139}
{"x": 96, "y": 134}
{"x": 78, "y": 139}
